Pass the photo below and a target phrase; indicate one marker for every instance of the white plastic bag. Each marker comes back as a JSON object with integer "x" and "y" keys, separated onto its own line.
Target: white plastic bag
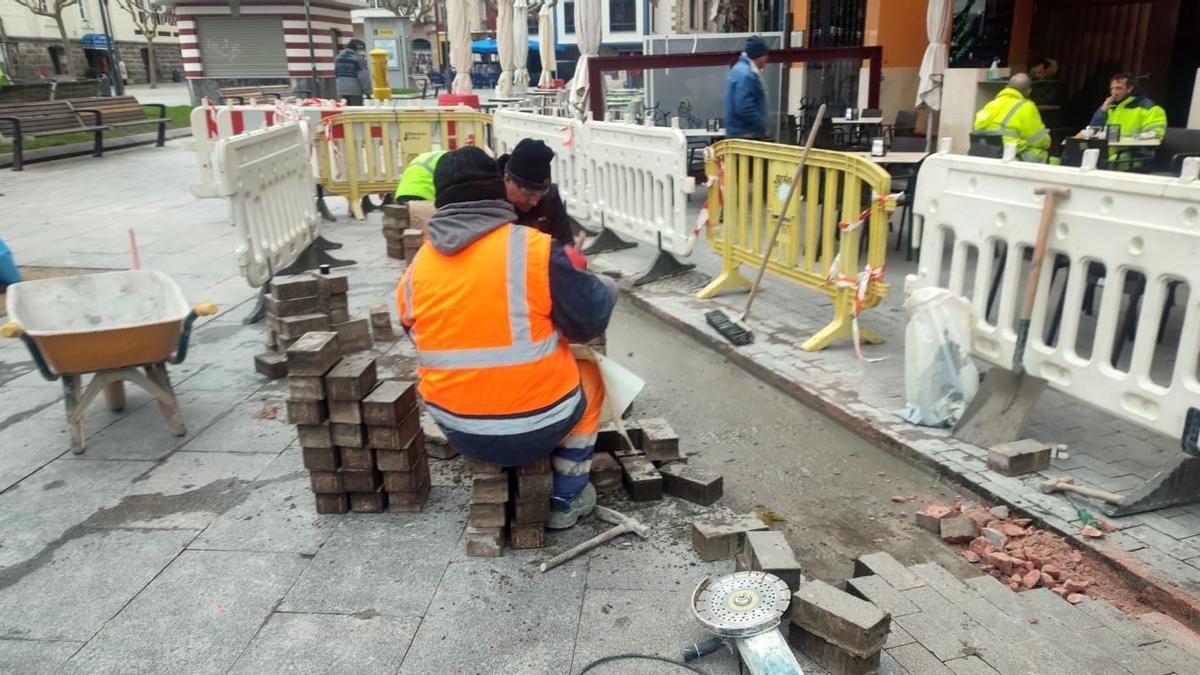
{"x": 940, "y": 378}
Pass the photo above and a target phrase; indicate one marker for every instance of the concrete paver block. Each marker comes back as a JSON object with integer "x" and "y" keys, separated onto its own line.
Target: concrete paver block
{"x": 851, "y": 623}
{"x": 345, "y": 412}
{"x": 357, "y": 458}
{"x": 400, "y": 460}
{"x": 353, "y": 335}
{"x": 721, "y": 538}
{"x": 313, "y": 354}
{"x": 315, "y": 435}
{"x": 348, "y": 435}
{"x": 326, "y": 482}
{"x": 883, "y": 565}
{"x": 436, "y": 443}
{"x": 659, "y": 440}
{"x": 294, "y": 327}
{"x": 769, "y": 552}
{"x": 368, "y": 502}
{"x": 485, "y": 542}
{"x": 306, "y": 388}
{"x": 381, "y": 323}
{"x": 272, "y": 364}
{"x": 642, "y": 480}
{"x": 332, "y": 283}
{"x": 606, "y": 474}
{"x": 489, "y": 489}
{"x": 534, "y": 486}
{"x": 294, "y": 286}
{"x": 358, "y": 480}
{"x": 409, "y": 502}
{"x": 389, "y": 403}
{"x": 486, "y": 515}
{"x": 830, "y": 656}
{"x": 527, "y": 535}
{"x": 527, "y": 512}
{"x": 881, "y": 594}
{"x": 407, "y": 481}
{"x": 306, "y": 412}
{"x": 294, "y": 307}
{"x": 352, "y": 378}
{"x": 396, "y": 437}
{"x": 332, "y": 503}
{"x": 1019, "y": 457}
{"x": 690, "y": 483}
{"x": 321, "y": 459}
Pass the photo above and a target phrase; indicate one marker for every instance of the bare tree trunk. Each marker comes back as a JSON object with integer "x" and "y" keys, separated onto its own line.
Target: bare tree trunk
{"x": 66, "y": 45}
{"x": 153, "y": 62}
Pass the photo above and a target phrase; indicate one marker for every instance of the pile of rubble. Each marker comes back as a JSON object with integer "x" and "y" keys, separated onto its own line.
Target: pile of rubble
{"x": 1012, "y": 550}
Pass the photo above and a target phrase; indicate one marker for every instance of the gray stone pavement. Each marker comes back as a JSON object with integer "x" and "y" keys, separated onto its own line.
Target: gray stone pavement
{"x": 1160, "y": 548}
{"x": 153, "y": 553}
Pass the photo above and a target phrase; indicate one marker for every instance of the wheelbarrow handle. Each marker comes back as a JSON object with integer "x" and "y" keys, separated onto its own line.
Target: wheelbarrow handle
{"x": 12, "y": 329}
{"x": 181, "y": 347}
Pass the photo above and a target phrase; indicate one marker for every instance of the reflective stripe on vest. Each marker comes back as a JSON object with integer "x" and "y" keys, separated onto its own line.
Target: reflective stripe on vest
{"x": 507, "y": 426}
{"x": 523, "y": 349}
{"x": 1008, "y": 118}
{"x": 425, "y": 163}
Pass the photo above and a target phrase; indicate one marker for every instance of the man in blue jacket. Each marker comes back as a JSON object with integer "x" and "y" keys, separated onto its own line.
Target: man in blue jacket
{"x": 745, "y": 99}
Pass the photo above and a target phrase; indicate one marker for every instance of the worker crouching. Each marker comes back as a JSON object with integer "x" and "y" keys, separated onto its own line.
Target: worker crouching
{"x": 491, "y": 307}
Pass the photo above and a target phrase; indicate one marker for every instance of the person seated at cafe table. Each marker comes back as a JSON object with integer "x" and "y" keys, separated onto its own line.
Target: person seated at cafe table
{"x": 1015, "y": 118}
{"x": 1137, "y": 116}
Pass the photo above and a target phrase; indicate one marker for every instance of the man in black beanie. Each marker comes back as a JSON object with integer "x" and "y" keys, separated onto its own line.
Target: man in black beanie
{"x": 745, "y": 98}
{"x": 528, "y": 187}
{"x": 491, "y": 307}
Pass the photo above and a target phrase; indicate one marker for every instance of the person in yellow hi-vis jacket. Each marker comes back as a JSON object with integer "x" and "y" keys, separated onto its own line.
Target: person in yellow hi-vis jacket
{"x": 1015, "y": 117}
{"x": 1136, "y": 115}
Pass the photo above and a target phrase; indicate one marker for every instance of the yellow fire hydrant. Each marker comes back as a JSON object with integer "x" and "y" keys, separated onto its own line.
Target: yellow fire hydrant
{"x": 380, "y": 90}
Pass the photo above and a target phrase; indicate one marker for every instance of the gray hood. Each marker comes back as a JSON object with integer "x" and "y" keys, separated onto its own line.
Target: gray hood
{"x": 457, "y": 226}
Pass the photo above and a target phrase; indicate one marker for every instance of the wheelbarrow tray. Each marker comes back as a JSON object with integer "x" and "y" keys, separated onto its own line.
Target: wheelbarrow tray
{"x": 93, "y": 322}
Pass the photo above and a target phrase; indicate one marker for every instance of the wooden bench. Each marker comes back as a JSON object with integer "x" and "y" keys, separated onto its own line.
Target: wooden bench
{"x": 243, "y": 95}
{"x": 122, "y": 111}
{"x": 19, "y": 121}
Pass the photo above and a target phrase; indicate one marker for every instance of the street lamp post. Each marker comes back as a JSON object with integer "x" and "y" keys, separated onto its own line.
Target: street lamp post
{"x": 114, "y": 69}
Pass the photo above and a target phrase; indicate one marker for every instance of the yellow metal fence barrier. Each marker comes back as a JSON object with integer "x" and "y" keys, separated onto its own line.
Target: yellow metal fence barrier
{"x": 361, "y": 152}
{"x": 842, "y": 199}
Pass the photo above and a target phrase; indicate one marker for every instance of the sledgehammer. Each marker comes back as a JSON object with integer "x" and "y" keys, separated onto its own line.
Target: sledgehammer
{"x": 1067, "y": 484}
{"x": 623, "y": 524}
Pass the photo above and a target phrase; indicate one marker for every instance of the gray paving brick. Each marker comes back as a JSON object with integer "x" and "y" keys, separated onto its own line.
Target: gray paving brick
{"x": 1155, "y": 539}
{"x": 881, "y": 593}
{"x": 1170, "y": 568}
{"x": 917, "y": 660}
{"x": 970, "y": 665}
{"x": 1106, "y": 641}
{"x": 1042, "y": 603}
{"x": 885, "y": 566}
{"x": 897, "y": 636}
{"x": 326, "y": 643}
{"x": 35, "y": 657}
{"x": 943, "y": 582}
{"x": 1129, "y": 630}
{"x": 1175, "y": 658}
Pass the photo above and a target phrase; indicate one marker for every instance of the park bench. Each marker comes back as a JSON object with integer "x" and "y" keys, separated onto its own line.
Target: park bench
{"x": 122, "y": 111}
{"x": 20, "y": 121}
{"x": 244, "y": 95}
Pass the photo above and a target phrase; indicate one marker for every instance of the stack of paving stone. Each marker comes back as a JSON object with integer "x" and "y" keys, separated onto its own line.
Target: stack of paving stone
{"x": 402, "y": 236}
{"x": 842, "y": 633}
{"x": 515, "y": 502}
{"x": 303, "y": 303}
{"x": 360, "y": 438}
{"x": 653, "y": 466}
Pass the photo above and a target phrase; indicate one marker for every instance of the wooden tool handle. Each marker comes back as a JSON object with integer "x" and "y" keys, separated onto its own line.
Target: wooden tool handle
{"x": 783, "y": 208}
{"x": 584, "y": 547}
{"x": 1053, "y": 194}
{"x": 1102, "y": 495}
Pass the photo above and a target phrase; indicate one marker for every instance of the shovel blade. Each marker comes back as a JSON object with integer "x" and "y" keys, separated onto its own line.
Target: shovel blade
{"x": 1000, "y": 410}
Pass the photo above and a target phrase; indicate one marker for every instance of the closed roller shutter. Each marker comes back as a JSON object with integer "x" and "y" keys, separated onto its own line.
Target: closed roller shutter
{"x": 248, "y": 46}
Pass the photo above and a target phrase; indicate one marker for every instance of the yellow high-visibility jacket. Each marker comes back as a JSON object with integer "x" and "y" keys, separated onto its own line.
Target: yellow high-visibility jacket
{"x": 1018, "y": 121}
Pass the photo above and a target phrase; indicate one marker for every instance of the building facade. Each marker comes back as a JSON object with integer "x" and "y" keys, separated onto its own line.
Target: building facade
{"x": 31, "y": 47}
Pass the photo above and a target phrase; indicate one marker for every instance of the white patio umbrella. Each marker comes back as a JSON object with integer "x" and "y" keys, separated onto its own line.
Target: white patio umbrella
{"x": 520, "y": 44}
{"x": 504, "y": 47}
{"x": 933, "y": 66}
{"x": 459, "y": 34}
{"x": 587, "y": 31}
{"x": 546, "y": 44}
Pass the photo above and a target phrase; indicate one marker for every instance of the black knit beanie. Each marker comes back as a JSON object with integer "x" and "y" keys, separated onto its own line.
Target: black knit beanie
{"x": 529, "y": 164}
{"x": 466, "y": 175}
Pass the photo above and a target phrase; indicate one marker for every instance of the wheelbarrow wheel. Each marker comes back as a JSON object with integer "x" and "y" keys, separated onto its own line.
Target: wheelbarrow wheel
{"x": 114, "y": 396}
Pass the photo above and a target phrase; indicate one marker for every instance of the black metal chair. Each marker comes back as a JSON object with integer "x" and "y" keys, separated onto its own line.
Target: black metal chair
{"x": 1177, "y": 145}
{"x": 1073, "y": 149}
{"x": 986, "y": 145}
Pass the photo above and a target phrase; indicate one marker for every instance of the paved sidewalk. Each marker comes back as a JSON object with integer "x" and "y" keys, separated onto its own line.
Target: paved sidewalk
{"x": 1161, "y": 548}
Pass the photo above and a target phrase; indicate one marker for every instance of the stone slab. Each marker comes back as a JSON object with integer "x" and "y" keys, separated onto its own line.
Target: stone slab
{"x": 72, "y": 587}
{"x": 888, "y": 568}
{"x": 34, "y": 657}
{"x": 245, "y": 427}
{"x": 879, "y": 592}
{"x": 316, "y": 644}
{"x": 197, "y": 616}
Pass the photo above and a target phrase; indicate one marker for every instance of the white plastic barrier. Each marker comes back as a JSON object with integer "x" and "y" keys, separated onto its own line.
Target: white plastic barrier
{"x": 639, "y": 181}
{"x": 565, "y": 137}
{"x": 1128, "y": 223}
{"x": 266, "y": 175}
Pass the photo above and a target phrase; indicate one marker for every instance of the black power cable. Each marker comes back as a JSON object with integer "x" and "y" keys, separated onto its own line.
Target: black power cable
{"x": 649, "y": 657}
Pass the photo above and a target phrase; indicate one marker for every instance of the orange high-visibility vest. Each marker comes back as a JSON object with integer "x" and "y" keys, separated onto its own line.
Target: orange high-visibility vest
{"x": 489, "y": 358}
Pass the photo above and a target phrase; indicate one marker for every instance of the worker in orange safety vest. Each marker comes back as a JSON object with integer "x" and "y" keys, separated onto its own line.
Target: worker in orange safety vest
{"x": 491, "y": 307}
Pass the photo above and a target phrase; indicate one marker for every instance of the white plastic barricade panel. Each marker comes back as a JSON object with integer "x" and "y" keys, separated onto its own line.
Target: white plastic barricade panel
{"x": 638, "y": 177}
{"x": 267, "y": 176}
{"x": 1139, "y": 234}
{"x": 565, "y": 138}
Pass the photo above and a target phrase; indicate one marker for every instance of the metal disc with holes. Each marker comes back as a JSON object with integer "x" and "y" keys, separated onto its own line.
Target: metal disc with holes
{"x": 740, "y": 604}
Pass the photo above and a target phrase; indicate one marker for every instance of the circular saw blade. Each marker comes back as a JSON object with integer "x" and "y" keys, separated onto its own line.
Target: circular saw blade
{"x": 740, "y": 604}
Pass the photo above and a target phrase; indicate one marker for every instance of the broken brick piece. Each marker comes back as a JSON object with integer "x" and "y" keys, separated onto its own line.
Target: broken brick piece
{"x": 720, "y": 538}
{"x": 930, "y": 517}
{"x": 959, "y": 530}
{"x": 970, "y": 556}
{"x": 1031, "y": 579}
{"x": 1075, "y": 598}
{"x": 687, "y": 482}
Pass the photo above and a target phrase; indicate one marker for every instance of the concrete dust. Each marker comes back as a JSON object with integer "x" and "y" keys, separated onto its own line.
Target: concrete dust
{"x": 832, "y": 488}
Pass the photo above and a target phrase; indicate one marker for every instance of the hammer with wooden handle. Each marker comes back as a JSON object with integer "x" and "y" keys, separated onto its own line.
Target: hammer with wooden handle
{"x": 1068, "y": 485}
{"x": 623, "y": 524}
